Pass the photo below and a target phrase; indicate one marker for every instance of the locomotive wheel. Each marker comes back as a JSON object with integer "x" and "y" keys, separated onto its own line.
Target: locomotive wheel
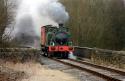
{"x": 45, "y": 54}
{"x": 65, "y": 56}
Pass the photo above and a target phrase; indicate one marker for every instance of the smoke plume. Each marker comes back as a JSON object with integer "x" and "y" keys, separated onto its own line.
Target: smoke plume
{"x": 33, "y": 14}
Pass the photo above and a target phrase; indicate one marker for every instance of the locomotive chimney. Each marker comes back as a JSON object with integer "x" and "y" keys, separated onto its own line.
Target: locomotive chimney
{"x": 61, "y": 25}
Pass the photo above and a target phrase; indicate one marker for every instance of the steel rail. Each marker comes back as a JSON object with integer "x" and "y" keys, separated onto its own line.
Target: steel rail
{"x": 101, "y": 67}
{"x": 106, "y": 77}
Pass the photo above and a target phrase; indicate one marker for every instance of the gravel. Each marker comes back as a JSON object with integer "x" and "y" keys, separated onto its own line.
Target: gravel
{"x": 78, "y": 74}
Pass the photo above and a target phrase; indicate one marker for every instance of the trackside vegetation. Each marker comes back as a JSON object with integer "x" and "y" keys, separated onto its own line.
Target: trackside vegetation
{"x": 97, "y": 23}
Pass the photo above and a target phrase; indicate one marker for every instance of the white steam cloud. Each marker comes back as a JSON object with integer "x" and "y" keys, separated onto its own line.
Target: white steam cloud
{"x": 33, "y": 14}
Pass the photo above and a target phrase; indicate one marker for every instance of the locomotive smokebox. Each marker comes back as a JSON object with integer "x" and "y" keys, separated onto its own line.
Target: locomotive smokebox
{"x": 61, "y": 25}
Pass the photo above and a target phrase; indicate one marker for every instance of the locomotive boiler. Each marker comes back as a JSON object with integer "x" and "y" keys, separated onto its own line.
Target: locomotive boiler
{"x": 56, "y": 41}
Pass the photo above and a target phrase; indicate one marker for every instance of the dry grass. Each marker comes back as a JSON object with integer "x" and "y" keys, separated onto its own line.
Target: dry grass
{"x": 36, "y": 72}
{"x": 112, "y": 59}
{"x": 26, "y": 61}
{"x": 7, "y": 74}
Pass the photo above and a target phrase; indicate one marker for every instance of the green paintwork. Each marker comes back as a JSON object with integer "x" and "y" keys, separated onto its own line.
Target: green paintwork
{"x": 50, "y": 35}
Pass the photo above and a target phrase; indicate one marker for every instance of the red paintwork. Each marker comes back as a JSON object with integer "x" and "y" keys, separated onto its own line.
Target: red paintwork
{"x": 43, "y": 36}
{"x": 60, "y": 49}
{"x": 56, "y": 48}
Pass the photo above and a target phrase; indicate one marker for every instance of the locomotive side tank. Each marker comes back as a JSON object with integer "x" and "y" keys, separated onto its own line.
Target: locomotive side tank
{"x": 56, "y": 41}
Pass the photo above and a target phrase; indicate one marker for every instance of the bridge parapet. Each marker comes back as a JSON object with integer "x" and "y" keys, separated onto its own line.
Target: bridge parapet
{"x": 19, "y": 54}
{"x": 102, "y": 56}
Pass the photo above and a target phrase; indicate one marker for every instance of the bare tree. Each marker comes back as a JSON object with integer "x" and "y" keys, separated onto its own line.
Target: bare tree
{"x": 5, "y": 19}
{"x": 99, "y": 23}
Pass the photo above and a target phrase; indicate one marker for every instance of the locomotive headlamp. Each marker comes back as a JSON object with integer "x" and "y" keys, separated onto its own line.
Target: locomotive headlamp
{"x": 52, "y": 44}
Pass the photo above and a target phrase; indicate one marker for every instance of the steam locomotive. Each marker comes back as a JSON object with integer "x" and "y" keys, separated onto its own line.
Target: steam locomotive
{"x": 56, "y": 41}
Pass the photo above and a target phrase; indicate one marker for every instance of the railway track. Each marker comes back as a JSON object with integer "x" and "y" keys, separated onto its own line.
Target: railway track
{"x": 106, "y": 73}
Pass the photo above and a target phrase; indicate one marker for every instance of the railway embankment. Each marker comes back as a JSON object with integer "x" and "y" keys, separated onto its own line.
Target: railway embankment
{"x": 12, "y": 57}
{"x": 108, "y": 58}
{"x": 24, "y": 64}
